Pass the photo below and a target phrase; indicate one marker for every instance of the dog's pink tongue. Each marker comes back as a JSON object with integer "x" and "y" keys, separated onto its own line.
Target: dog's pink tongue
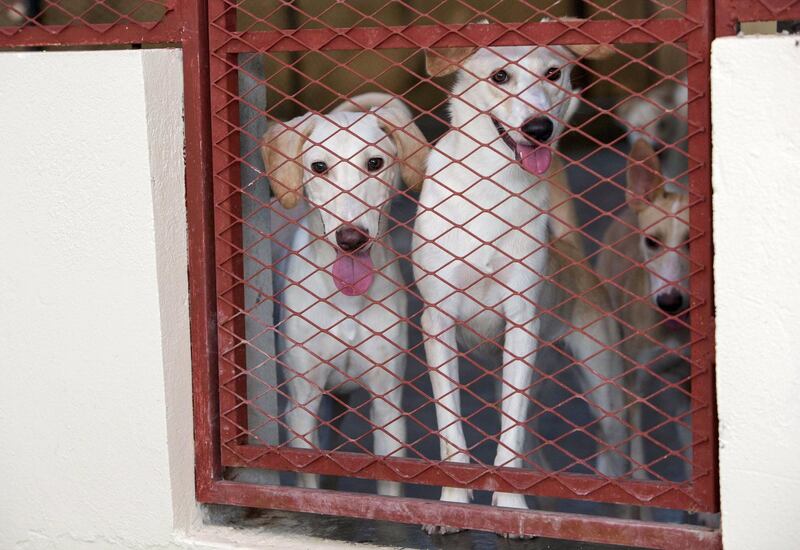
{"x": 353, "y": 273}
{"x": 534, "y": 159}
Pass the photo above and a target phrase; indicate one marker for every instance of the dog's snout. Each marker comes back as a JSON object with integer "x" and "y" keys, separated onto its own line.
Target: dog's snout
{"x": 539, "y": 129}
{"x": 671, "y": 302}
{"x": 351, "y": 238}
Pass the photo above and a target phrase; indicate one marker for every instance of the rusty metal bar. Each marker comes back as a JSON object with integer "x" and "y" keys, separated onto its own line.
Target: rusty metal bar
{"x": 427, "y": 36}
{"x": 167, "y": 31}
{"x": 701, "y": 253}
{"x": 452, "y": 474}
{"x": 199, "y": 209}
{"x": 729, "y": 13}
{"x": 663, "y": 536}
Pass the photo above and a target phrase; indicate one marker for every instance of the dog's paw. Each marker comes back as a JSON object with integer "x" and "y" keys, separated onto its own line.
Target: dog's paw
{"x": 440, "y": 529}
{"x": 511, "y": 500}
{"x": 449, "y": 494}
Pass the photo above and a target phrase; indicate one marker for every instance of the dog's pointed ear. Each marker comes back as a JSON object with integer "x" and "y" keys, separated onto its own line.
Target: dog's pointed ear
{"x": 643, "y": 175}
{"x": 445, "y": 61}
{"x": 592, "y": 52}
{"x": 281, "y": 148}
{"x": 412, "y": 147}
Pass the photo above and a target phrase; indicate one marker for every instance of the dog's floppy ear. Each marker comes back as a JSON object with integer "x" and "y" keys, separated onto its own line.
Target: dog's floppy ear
{"x": 412, "y": 148}
{"x": 592, "y": 52}
{"x": 643, "y": 175}
{"x": 281, "y": 147}
{"x": 445, "y": 61}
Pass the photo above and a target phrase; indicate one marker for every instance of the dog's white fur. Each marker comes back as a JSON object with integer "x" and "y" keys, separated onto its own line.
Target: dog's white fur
{"x": 333, "y": 340}
{"x": 661, "y": 118}
{"x": 480, "y": 253}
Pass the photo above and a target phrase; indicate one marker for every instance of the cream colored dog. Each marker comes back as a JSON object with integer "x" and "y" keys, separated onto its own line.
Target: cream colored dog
{"x": 646, "y": 263}
{"x": 344, "y": 308}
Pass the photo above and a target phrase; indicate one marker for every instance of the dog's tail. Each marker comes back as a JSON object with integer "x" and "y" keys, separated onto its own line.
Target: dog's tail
{"x": 371, "y": 101}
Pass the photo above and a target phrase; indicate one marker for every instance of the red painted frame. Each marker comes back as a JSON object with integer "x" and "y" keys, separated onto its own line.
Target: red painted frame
{"x": 166, "y": 30}
{"x": 729, "y": 13}
{"x": 696, "y": 30}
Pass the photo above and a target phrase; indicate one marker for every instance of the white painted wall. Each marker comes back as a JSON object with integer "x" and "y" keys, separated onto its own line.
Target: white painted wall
{"x": 756, "y": 117}
{"x": 95, "y": 426}
{"x": 82, "y": 398}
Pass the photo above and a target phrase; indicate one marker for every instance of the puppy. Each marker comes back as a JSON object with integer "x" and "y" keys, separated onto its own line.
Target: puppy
{"x": 645, "y": 261}
{"x": 344, "y": 308}
{"x": 481, "y": 251}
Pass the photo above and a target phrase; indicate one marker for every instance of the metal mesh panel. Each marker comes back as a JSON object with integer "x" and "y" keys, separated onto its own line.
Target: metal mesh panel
{"x": 87, "y": 22}
{"x": 536, "y": 320}
{"x": 515, "y": 300}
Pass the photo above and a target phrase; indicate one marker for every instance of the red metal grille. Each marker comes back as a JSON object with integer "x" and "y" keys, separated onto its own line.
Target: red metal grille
{"x": 731, "y": 12}
{"x": 87, "y": 22}
{"x": 275, "y": 61}
{"x": 247, "y": 63}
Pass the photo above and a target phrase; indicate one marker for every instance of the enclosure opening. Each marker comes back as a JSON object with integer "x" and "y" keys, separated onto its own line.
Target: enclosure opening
{"x": 307, "y": 354}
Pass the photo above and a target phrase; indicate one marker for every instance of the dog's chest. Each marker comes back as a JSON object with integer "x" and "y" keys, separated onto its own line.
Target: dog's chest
{"x": 493, "y": 225}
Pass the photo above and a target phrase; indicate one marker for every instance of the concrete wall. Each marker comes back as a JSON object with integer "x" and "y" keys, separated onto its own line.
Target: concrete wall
{"x": 95, "y": 426}
{"x": 756, "y": 118}
{"x": 83, "y": 414}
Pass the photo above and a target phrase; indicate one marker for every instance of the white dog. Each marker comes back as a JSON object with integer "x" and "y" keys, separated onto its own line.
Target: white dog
{"x": 481, "y": 246}
{"x": 661, "y": 117}
{"x": 344, "y": 308}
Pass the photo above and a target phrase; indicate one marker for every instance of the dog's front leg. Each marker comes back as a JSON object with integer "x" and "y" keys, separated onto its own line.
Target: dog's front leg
{"x": 386, "y": 415}
{"x": 441, "y": 351}
{"x": 594, "y": 347}
{"x": 302, "y": 412}
{"x": 519, "y": 354}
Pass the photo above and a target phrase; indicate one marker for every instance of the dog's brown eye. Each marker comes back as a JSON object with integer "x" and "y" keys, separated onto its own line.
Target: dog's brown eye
{"x": 553, "y": 73}
{"x": 651, "y": 243}
{"x": 319, "y": 167}
{"x": 500, "y": 76}
{"x": 374, "y": 164}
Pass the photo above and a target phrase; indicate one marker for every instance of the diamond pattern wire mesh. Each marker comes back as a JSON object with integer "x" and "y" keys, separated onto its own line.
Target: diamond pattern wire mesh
{"x": 729, "y": 13}
{"x": 325, "y": 352}
{"x": 97, "y": 15}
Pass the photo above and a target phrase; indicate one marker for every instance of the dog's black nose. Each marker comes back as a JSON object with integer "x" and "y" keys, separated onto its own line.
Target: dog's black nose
{"x": 351, "y": 238}
{"x": 670, "y": 302}
{"x": 538, "y": 129}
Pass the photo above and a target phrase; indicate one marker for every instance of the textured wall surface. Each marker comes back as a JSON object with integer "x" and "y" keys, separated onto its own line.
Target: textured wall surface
{"x": 87, "y": 147}
{"x": 756, "y": 112}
